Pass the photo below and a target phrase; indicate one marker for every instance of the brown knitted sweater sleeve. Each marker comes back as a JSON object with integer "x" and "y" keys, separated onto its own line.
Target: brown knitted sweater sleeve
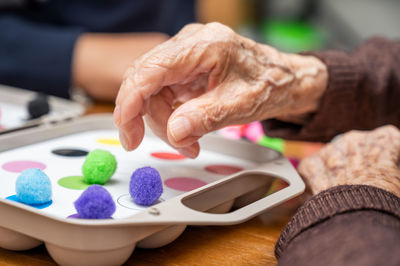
{"x": 363, "y": 93}
{"x": 345, "y": 225}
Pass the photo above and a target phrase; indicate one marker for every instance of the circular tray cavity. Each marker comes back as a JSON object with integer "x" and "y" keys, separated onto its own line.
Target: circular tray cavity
{"x": 67, "y": 256}
{"x": 163, "y": 237}
{"x": 16, "y": 241}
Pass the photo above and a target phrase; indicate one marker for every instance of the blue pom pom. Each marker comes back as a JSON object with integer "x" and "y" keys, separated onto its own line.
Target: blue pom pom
{"x": 33, "y": 186}
{"x": 95, "y": 203}
{"x": 145, "y": 186}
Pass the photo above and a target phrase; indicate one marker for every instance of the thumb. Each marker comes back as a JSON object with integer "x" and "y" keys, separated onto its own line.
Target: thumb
{"x": 195, "y": 118}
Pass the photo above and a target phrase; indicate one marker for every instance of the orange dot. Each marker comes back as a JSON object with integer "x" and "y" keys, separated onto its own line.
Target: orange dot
{"x": 168, "y": 156}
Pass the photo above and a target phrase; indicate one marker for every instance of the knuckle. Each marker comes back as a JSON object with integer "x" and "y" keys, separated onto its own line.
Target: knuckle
{"x": 391, "y": 130}
{"x": 304, "y": 163}
{"x": 215, "y": 25}
{"x": 157, "y": 61}
{"x": 220, "y": 29}
{"x": 353, "y": 136}
{"x": 328, "y": 149}
{"x": 326, "y": 152}
{"x": 353, "y": 133}
{"x": 153, "y": 59}
{"x": 129, "y": 72}
{"x": 305, "y": 166}
{"x": 190, "y": 27}
{"x": 213, "y": 117}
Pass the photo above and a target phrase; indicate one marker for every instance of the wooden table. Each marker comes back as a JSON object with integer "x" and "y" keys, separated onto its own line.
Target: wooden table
{"x": 250, "y": 243}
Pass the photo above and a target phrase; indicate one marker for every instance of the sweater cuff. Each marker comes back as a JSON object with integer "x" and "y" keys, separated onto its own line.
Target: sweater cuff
{"x": 334, "y": 201}
{"x": 332, "y": 116}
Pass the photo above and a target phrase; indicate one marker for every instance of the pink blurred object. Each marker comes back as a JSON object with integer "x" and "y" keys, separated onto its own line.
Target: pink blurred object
{"x": 232, "y": 132}
{"x": 294, "y": 161}
{"x": 254, "y": 131}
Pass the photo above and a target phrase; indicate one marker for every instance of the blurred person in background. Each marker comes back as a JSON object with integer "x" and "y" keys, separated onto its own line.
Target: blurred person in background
{"x": 53, "y": 45}
{"x": 207, "y": 77}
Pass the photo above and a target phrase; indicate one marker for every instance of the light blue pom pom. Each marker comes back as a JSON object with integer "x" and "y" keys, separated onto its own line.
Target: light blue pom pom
{"x": 33, "y": 186}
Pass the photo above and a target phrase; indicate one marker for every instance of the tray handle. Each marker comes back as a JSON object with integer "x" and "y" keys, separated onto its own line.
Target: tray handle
{"x": 190, "y": 207}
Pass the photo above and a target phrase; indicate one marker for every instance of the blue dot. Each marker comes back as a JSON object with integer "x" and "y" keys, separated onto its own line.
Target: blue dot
{"x": 37, "y": 206}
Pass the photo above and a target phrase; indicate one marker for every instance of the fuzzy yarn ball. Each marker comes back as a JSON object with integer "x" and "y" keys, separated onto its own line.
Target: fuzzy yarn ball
{"x": 95, "y": 203}
{"x": 38, "y": 106}
{"x": 98, "y": 167}
{"x": 33, "y": 186}
{"x": 145, "y": 186}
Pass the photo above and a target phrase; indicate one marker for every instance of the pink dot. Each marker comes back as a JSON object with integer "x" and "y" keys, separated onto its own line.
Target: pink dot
{"x": 168, "y": 156}
{"x": 223, "y": 169}
{"x": 184, "y": 183}
{"x": 19, "y": 166}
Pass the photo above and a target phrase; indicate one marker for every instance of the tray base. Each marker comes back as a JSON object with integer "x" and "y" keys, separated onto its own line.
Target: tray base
{"x": 65, "y": 256}
{"x": 12, "y": 240}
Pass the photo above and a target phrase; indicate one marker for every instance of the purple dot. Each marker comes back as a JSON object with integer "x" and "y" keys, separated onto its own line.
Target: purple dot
{"x": 19, "y": 166}
{"x": 184, "y": 183}
{"x": 74, "y": 216}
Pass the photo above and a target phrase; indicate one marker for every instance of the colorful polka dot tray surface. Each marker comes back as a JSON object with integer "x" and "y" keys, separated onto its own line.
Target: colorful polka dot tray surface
{"x": 74, "y": 188}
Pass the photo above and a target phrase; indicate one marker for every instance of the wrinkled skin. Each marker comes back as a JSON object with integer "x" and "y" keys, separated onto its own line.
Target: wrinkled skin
{"x": 207, "y": 77}
{"x": 369, "y": 158}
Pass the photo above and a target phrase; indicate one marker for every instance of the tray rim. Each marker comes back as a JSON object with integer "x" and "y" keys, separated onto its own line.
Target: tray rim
{"x": 145, "y": 219}
{"x": 104, "y": 122}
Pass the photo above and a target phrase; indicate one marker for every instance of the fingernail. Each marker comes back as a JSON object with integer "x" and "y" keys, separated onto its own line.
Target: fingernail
{"x": 117, "y": 115}
{"x": 189, "y": 152}
{"x": 124, "y": 141}
{"x": 180, "y": 128}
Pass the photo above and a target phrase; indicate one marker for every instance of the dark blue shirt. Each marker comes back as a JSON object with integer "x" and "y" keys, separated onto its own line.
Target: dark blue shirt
{"x": 37, "y": 38}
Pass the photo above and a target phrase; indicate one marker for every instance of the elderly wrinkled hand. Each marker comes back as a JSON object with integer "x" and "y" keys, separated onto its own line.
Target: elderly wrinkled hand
{"x": 368, "y": 158}
{"x": 207, "y": 77}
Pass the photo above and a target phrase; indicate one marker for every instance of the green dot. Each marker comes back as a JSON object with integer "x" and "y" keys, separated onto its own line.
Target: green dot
{"x": 73, "y": 182}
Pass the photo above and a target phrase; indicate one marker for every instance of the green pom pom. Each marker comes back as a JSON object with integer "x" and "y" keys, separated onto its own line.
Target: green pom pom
{"x": 98, "y": 167}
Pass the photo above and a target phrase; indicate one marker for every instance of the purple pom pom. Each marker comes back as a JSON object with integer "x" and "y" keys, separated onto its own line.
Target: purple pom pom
{"x": 95, "y": 203}
{"x": 145, "y": 186}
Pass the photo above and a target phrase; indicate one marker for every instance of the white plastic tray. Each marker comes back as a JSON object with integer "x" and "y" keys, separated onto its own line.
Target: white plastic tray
{"x": 14, "y": 113}
{"x": 111, "y": 241}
